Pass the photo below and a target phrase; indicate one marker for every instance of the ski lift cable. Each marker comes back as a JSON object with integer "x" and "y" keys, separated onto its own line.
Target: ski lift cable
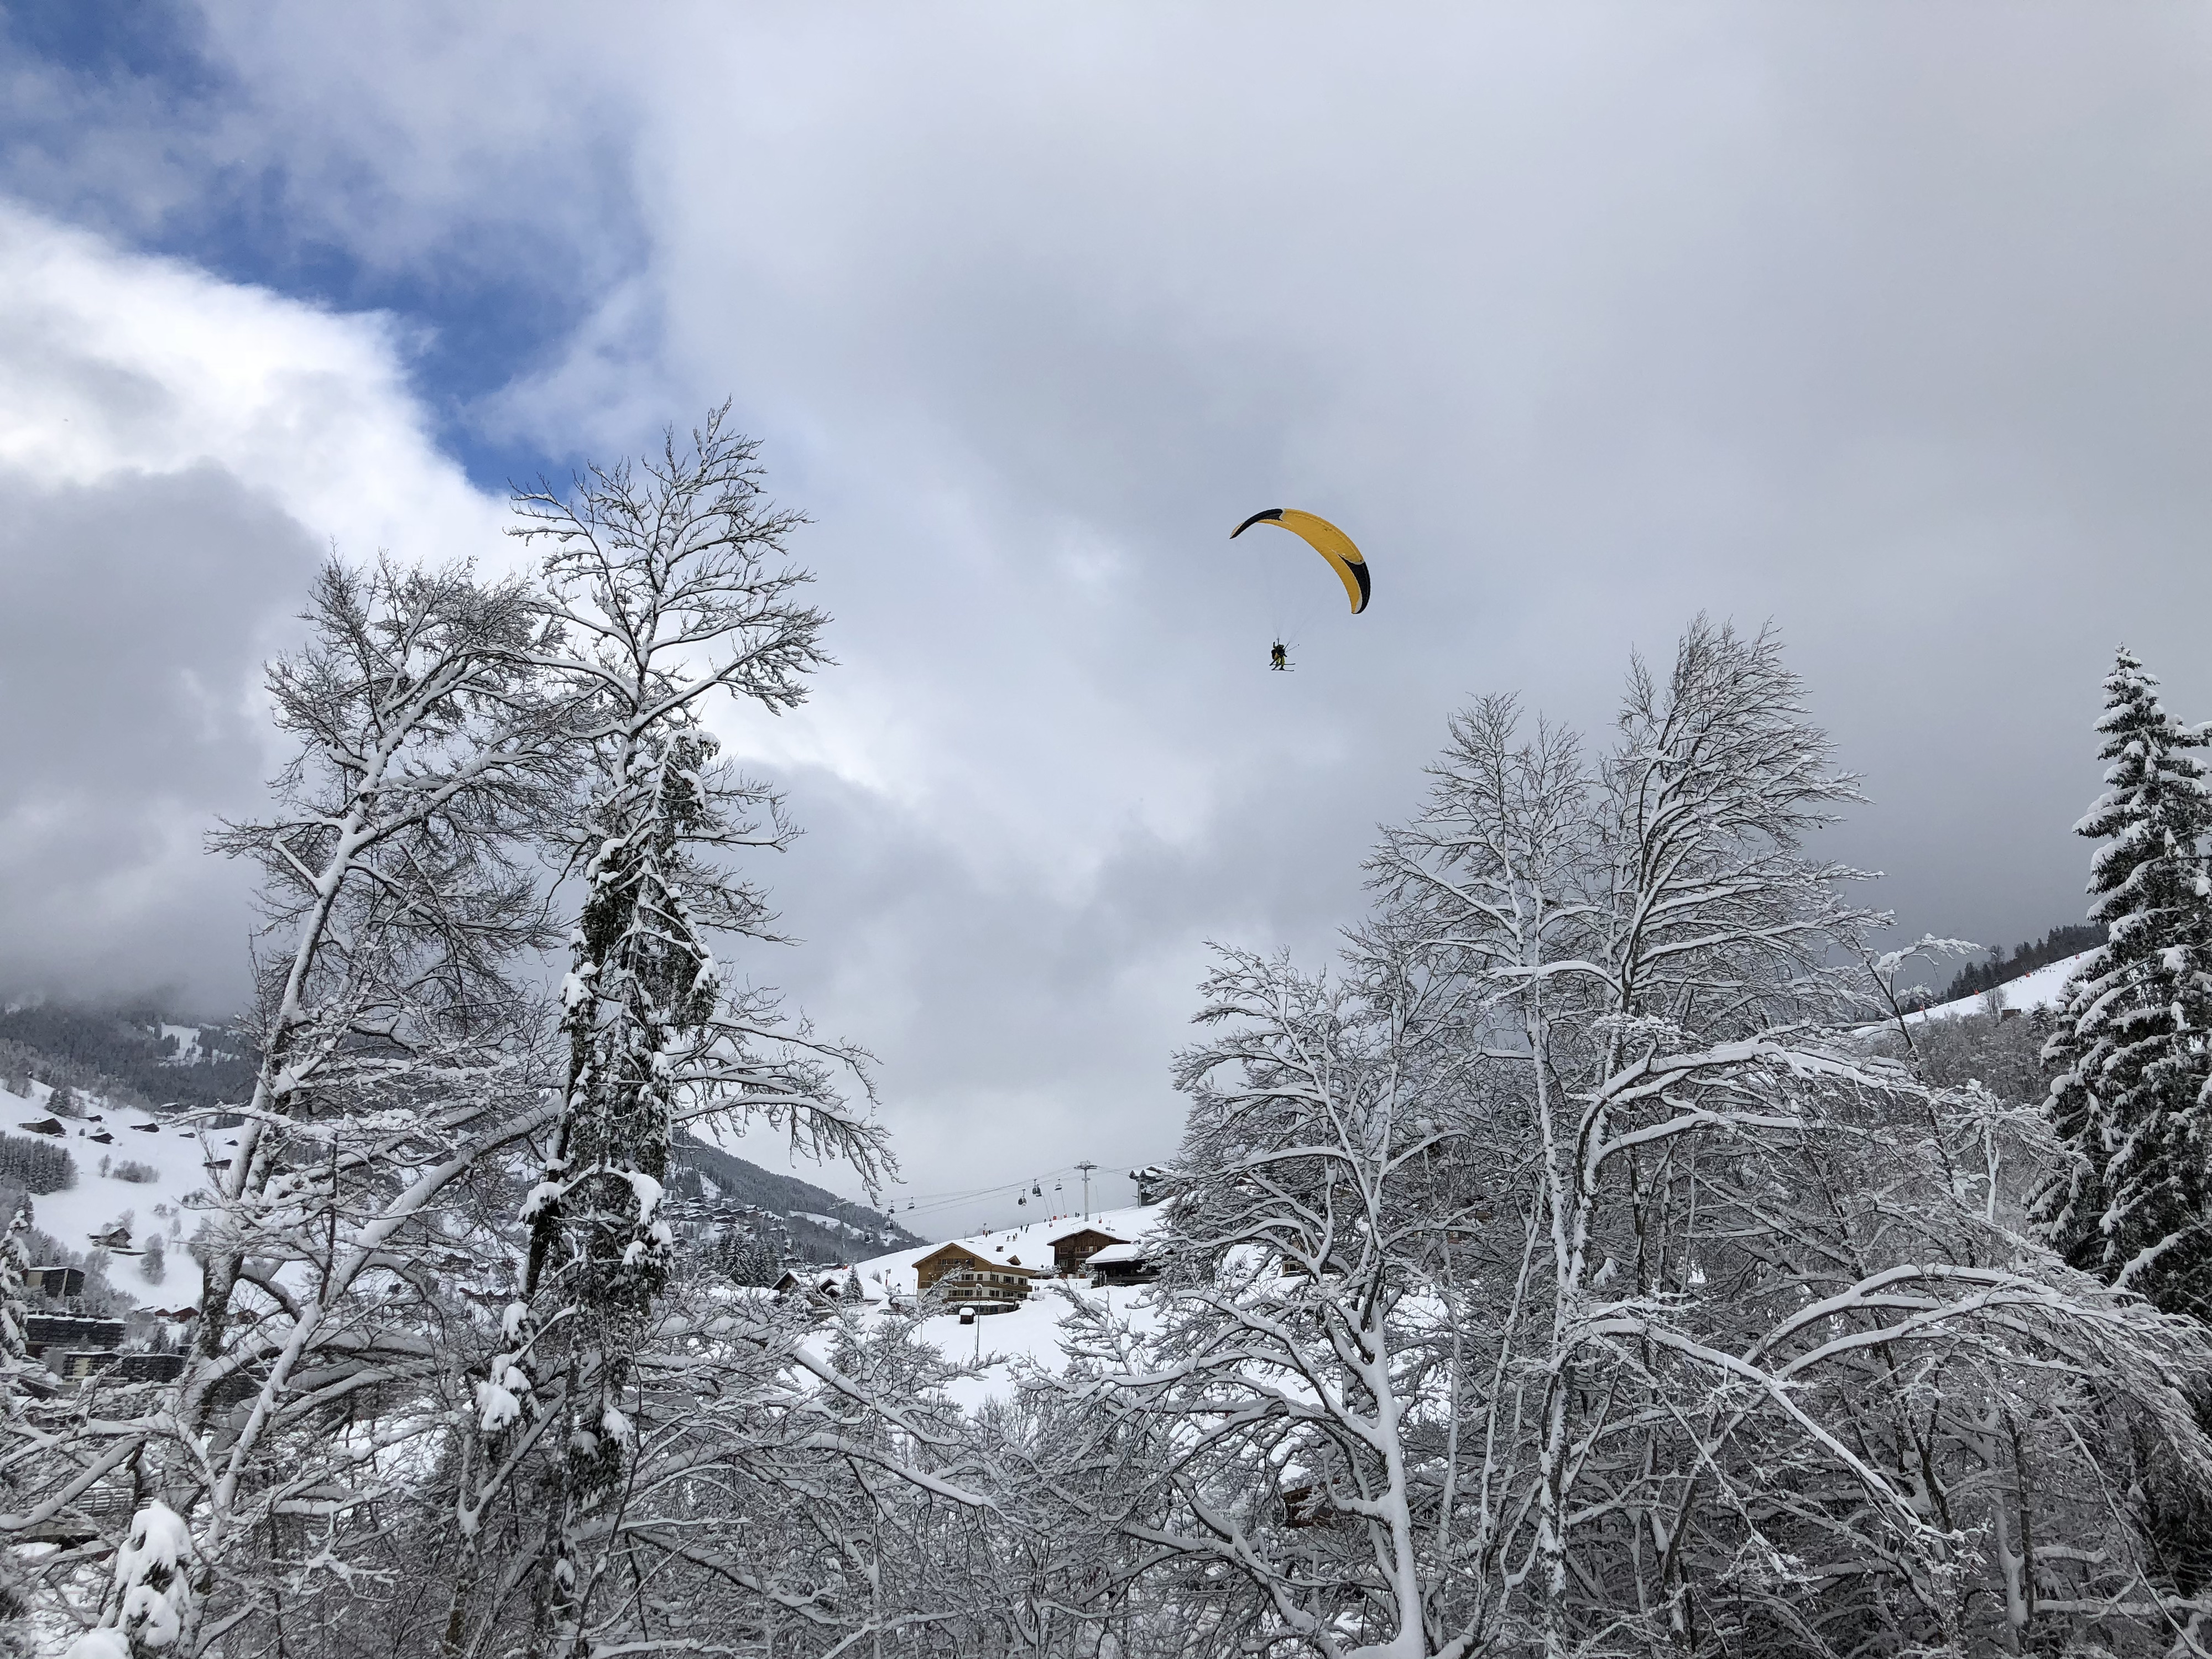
{"x": 922, "y": 1206}
{"x": 1032, "y": 1184}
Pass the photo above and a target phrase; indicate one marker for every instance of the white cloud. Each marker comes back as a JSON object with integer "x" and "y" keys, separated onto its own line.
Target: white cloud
{"x": 178, "y": 453}
{"x": 112, "y": 361}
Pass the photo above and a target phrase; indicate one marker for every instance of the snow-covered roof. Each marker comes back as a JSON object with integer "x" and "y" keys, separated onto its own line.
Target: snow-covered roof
{"x": 1117, "y": 1253}
{"x": 821, "y": 1277}
{"x": 1081, "y": 1228}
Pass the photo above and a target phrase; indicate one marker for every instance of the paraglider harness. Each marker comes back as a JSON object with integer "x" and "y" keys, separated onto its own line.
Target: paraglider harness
{"x": 1278, "y": 657}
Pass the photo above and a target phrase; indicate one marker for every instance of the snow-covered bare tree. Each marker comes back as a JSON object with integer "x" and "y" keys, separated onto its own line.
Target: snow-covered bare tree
{"x": 395, "y": 1067}
{"x": 785, "y": 1490}
{"x": 1757, "y": 1236}
{"x": 15, "y": 1260}
{"x": 667, "y": 592}
{"x": 1314, "y": 1398}
{"x": 2133, "y": 1099}
{"x": 1584, "y": 1277}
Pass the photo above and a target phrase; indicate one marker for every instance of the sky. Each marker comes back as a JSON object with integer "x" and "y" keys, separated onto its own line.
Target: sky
{"x": 1890, "y": 324}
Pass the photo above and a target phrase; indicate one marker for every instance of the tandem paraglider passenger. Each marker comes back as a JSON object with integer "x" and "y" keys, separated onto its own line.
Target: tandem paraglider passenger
{"x": 1337, "y": 551}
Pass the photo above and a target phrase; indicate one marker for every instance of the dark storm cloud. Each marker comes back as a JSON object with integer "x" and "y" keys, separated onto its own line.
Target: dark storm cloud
{"x": 1890, "y": 324}
{"x": 135, "y": 612}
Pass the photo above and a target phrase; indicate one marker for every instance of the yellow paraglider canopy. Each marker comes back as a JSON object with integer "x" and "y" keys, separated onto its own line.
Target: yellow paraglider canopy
{"x": 1326, "y": 539}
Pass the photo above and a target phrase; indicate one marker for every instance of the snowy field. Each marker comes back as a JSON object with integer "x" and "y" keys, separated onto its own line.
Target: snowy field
{"x": 1031, "y": 1333}
{"x": 2040, "y": 990}
{"x": 176, "y": 1154}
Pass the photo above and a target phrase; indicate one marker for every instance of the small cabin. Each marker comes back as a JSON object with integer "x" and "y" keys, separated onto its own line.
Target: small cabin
{"x": 958, "y": 1273}
{"x": 1072, "y": 1250}
{"x": 806, "y": 1281}
{"x": 822, "y": 1288}
{"x": 1121, "y": 1264}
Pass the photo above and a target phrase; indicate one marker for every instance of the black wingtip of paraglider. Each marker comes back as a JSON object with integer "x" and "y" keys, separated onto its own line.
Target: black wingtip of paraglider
{"x": 1272, "y": 515}
{"x": 1360, "y": 575}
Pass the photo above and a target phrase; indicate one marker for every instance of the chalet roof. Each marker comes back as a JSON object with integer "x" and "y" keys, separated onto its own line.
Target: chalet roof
{"x": 821, "y": 1279}
{"x": 1001, "y": 1257}
{"x": 1083, "y": 1228}
{"x": 1114, "y": 1253}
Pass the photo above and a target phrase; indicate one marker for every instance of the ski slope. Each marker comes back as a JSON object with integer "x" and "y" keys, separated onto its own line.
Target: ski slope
{"x": 2041, "y": 989}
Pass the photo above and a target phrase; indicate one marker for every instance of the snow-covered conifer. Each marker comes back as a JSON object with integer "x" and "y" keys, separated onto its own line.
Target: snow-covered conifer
{"x": 752, "y": 1261}
{"x": 666, "y": 592}
{"x": 13, "y": 1261}
{"x": 2134, "y": 1035}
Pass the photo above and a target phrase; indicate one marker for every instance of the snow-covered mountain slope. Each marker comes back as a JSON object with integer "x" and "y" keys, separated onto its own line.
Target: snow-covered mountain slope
{"x": 139, "y": 1056}
{"x": 825, "y": 1226}
{"x": 136, "y": 1140}
{"x": 177, "y": 1157}
{"x": 2041, "y": 989}
{"x": 1028, "y": 1246}
{"x": 1031, "y": 1332}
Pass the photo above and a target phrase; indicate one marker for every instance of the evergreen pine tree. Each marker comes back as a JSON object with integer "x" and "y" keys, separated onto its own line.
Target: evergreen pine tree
{"x": 15, "y": 1260}
{"x": 2129, "y": 1101}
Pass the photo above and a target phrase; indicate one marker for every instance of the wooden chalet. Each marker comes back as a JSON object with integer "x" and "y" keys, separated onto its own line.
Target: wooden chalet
{"x": 1071, "y": 1251}
{"x": 957, "y": 1273}
{"x": 820, "y": 1287}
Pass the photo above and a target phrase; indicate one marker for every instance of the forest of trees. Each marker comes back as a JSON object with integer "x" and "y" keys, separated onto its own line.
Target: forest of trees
{"x": 121, "y": 1053}
{"x": 2025, "y": 957}
{"x": 1581, "y": 1263}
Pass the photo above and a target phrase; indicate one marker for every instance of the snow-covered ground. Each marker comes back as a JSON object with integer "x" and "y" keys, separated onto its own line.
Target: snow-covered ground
{"x": 833, "y": 1223}
{"x": 177, "y": 1156}
{"x": 2040, "y": 990}
{"x": 1031, "y": 1332}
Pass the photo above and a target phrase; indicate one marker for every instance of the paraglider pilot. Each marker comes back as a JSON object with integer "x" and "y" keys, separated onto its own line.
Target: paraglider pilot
{"x": 1279, "y": 658}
